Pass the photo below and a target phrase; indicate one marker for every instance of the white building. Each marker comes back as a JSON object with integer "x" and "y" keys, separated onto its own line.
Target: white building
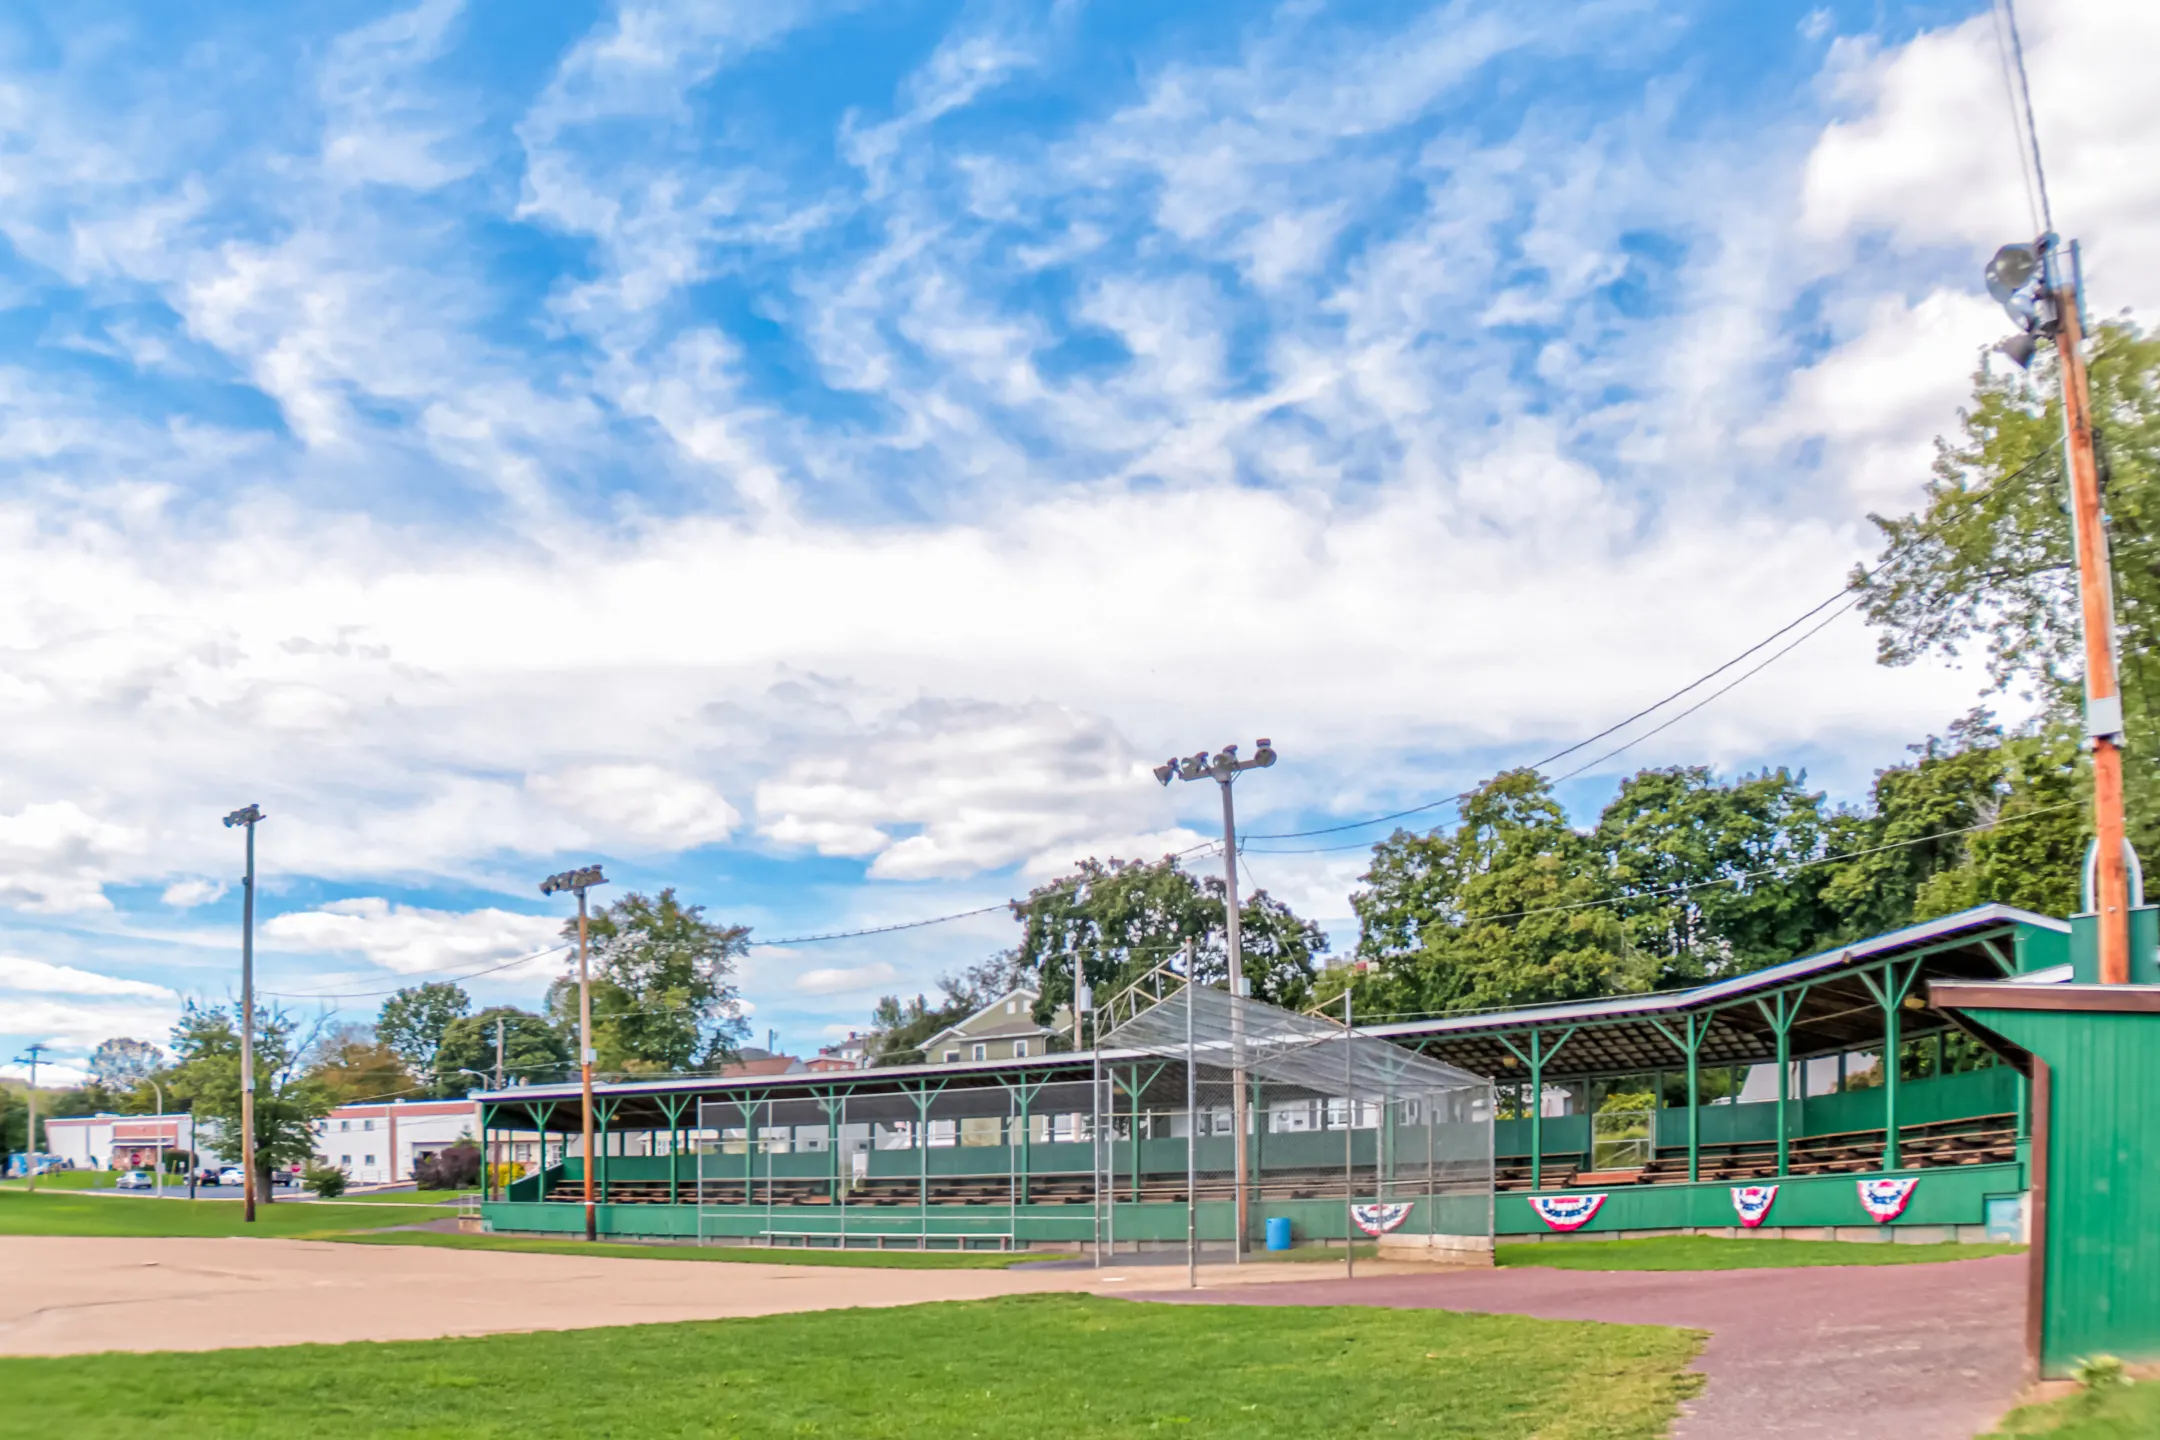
{"x": 379, "y": 1144}
{"x": 116, "y": 1142}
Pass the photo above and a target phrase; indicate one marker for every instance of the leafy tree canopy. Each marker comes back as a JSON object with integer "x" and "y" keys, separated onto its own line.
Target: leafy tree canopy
{"x": 413, "y": 1021}
{"x": 663, "y": 987}
{"x": 1986, "y": 565}
{"x": 1116, "y": 920}
{"x": 351, "y": 1064}
{"x": 534, "y": 1052}
{"x": 120, "y": 1064}
{"x": 288, "y": 1100}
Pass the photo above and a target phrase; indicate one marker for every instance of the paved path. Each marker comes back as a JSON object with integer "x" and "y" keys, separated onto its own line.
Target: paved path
{"x": 68, "y": 1296}
{"x": 1921, "y": 1352}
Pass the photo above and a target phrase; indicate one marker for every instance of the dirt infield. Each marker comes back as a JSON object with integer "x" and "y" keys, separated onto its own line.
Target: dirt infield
{"x": 1922, "y": 1352}
{"x": 73, "y": 1296}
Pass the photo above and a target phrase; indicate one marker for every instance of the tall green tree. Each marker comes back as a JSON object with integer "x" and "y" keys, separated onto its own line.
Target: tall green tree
{"x": 534, "y": 1052}
{"x": 664, "y": 994}
{"x": 288, "y": 1100}
{"x": 1702, "y": 870}
{"x": 120, "y": 1064}
{"x": 1985, "y": 564}
{"x": 414, "y": 1020}
{"x": 351, "y": 1064}
{"x": 1918, "y": 850}
{"x": 1115, "y": 920}
{"x": 1508, "y": 908}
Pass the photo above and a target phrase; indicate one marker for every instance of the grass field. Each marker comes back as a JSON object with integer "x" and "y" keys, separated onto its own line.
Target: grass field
{"x": 76, "y": 1180}
{"x": 78, "y": 1214}
{"x": 2123, "y": 1412}
{"x": 742, "y": 1254}
{"x": 1051, "y": 1367}
{"x": 1711, "y": 1252}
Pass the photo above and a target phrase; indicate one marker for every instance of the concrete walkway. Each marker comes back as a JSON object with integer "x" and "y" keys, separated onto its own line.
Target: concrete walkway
{"x": 1921, "y": 1352}
{"x": 70, "y": 1296}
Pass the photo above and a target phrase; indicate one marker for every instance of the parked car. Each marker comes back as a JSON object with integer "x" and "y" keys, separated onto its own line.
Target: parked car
{"x": 231, "y": 1175}
{"x": 136, "y": 1180}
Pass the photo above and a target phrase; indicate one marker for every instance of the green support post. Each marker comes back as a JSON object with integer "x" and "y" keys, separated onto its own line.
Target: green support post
{"x": 1781, "y": 1010}
{"x": 605, "y": 1113}
{"x": 1689, "y": 1042}
{"x": 673, "y": 1109}
{"x": 1539, "y": 1057}
{"x": 1890, "y": 995}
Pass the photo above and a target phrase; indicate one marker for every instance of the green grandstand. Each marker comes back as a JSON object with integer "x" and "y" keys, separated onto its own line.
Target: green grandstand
{"x": 1070, "y": 1148}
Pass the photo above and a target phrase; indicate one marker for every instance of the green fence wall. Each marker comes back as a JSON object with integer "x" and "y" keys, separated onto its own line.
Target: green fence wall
{"x": 2102, "y": 1246}
{"x": 1946, "y": 1196}
{"x": 1993, "y": 1091}
{"x": 1152, "y": 1223}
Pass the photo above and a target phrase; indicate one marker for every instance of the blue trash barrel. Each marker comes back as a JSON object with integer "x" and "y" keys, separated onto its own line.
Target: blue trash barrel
{"x": 1278, "y": 1232}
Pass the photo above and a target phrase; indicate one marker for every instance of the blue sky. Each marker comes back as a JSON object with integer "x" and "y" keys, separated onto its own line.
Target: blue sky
{"x": 819, "y": 456}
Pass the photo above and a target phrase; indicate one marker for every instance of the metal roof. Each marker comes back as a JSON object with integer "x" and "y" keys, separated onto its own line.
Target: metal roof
{"x": 1622, "y": 1034}
{"x": 1619, "y": 1035}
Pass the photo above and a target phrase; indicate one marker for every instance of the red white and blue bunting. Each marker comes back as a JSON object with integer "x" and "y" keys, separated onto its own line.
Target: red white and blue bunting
{"x": 1753, "y": 1202}
{"x": 1379, "y": 1219}
{"x": 1566, "y": 1212}
{"x": 1885, "y": 1200}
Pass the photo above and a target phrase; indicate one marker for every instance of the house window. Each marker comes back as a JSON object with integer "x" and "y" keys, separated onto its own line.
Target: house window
{"x": 952, "y": 1057}
{"x": 1012, "y": 1007}
{"x": 1020, "y": 1050}
{"x": 982, "y": 1052}
{"x": 370, "y": 1160}
{"x": 344, "y": 1124}
{"x": 367, "y": 1124}
{"x": 345, "y": 1160}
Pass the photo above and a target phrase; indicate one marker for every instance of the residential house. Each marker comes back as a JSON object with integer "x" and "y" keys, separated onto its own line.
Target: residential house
{"x": 1005, "y": 1029}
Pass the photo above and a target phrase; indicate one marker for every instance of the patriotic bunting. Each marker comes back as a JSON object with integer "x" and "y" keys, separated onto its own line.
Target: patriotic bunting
{"x": 1566, "y": 1212}
{"x": 1379, "y": 1219}
{"x": 1886, "y": 1199}
{"x": 1753, "y": 1202}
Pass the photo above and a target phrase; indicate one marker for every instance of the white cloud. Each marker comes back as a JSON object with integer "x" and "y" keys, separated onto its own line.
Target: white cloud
{"x": 646, "y": 805}
{"x": 42, "y": 977}
{"x": 857, "y": 979}
{"x": 56, "y": 857}
{"x": 187, "y": 894}
{"x": 412, "y": 940}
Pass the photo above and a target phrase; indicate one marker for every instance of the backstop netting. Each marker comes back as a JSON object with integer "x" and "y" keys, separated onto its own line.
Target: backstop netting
{"x": 955, "y": 1164}
{"x": 1242, "y": 1114}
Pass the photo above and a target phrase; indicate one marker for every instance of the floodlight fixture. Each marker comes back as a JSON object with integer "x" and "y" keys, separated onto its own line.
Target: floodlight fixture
{"x": 576, "y": 881}
{"x": 246, "y": 815}
{"x": 2019, "y": 348}
{"x": 2011, "y": 271}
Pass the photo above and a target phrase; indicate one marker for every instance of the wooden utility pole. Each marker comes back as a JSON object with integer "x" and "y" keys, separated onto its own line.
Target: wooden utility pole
{"x": 578, "y": 882}
{"x": 30, "y": 1147}
{"x": 2103, "y": 696}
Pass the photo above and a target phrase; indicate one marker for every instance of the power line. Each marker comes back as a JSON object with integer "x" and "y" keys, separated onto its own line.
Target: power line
{"x": 1729, "y": 685}
{"x": 1613, "y": 728}
{"x": 2032, "y": 129}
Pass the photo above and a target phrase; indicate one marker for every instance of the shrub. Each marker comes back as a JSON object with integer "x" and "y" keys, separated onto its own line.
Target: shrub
{"x": 327, "y": 1181}
{"x": 457, "y": 1168}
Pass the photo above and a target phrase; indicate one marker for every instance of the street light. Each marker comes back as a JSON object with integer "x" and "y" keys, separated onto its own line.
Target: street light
{"x": 578, "y": 882}
{"x": 2027, "y": 280}
{"x": 1224, "y": 768}
{"x": 249, "y": 817}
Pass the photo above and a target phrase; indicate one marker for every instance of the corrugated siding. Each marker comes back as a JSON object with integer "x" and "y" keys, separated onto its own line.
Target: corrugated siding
{"x": 2103, "y": 1241}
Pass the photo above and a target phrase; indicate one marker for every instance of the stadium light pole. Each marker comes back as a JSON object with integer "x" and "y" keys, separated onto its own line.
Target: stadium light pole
{"x": 578, "y": 882}
{"x": 35, "y": 1058}
{"x": 1223, "y": 769}
{"x": 247, "y": 817}
{"x": 2030, "y": 283}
